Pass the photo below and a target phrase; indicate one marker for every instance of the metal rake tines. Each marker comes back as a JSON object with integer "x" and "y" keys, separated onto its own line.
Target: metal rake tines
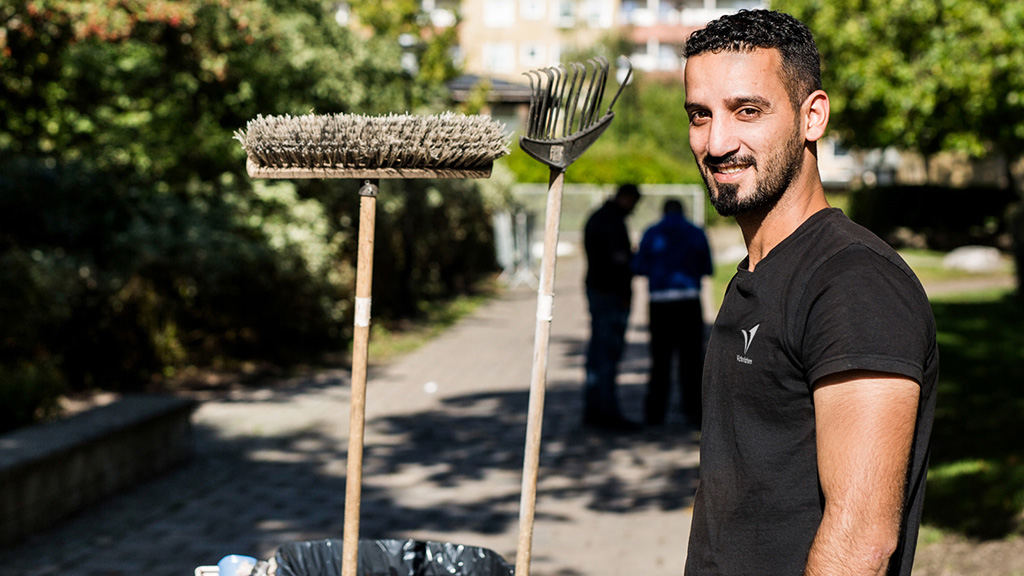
{"x": 566, "y": 100}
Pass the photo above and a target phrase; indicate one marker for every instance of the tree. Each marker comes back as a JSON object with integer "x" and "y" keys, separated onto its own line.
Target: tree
{"x": 920, "y": 75}
{"x": 165, "y": 83}
{"x": 124, "y": 202}
{"x": 924, "y": 75}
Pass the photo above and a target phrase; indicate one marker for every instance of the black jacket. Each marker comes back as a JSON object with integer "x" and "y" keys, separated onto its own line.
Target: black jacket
{"x": 609, "y": 251}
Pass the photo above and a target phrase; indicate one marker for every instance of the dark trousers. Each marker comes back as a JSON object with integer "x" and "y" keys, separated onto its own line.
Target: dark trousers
{"x": 677, "y": 331}
{"x": 609, "y": 317}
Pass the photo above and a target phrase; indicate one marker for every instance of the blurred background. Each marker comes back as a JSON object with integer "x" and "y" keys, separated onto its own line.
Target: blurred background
{"x": 136, "y": 255}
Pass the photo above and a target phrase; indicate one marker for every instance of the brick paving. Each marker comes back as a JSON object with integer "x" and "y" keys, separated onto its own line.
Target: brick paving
{"x": 443, "y": 461}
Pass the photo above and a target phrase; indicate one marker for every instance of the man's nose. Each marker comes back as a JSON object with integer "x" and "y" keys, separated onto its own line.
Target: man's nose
{"x": 721, "y": 138}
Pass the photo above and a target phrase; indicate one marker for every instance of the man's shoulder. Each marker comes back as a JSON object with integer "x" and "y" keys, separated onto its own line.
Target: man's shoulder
{"x": 849, "y": 236}
{"x": 831, "y": 231}
{"x": 830, "y": 245}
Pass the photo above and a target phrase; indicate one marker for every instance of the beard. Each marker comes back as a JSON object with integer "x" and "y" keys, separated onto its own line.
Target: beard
{"x": 771, "y": 184}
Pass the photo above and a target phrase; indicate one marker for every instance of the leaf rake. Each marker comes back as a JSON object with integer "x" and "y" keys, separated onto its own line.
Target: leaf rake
{"x": 564, "y": 120}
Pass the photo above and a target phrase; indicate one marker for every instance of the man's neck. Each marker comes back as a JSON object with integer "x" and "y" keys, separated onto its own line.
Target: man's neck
{"x": 765, "y": 230}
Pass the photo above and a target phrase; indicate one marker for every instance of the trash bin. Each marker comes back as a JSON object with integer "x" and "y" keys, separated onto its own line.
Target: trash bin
{"x": 391, "y": 558}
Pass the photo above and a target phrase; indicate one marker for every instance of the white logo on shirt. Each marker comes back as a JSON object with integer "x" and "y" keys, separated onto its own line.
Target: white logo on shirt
{"x": 748, "y": 338}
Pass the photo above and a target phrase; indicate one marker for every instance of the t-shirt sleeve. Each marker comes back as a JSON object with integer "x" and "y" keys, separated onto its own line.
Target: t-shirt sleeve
{"x": 864, "y": 312}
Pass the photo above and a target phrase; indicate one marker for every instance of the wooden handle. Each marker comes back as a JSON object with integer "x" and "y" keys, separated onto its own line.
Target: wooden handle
{"x": 360, "y": 355}
{"x": 542, "y": 336}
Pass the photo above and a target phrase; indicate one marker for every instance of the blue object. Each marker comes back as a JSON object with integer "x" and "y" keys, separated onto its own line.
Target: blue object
{"x": 236, "y": 565}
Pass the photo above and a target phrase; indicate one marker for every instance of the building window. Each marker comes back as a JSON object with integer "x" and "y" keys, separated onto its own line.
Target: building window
{"x": 566, "y": 16}
{"x": 597, "y": 13}
{"x": 532, "y": 9}
{"x": 499, "y": 57}
{"x": 668, "y": 56}
{"x": 499, "y": 13}
{"x": 532, "y": 55}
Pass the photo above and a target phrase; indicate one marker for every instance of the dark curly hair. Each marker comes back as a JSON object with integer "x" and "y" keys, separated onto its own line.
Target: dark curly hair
{"x": 748, "y": 30}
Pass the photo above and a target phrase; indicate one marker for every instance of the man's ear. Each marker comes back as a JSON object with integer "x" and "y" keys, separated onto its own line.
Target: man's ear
{"x": 814, "y": 113}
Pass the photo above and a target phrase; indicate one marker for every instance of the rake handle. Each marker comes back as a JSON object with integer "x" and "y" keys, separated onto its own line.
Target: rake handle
{"x": 542, "y": 336}
{"x": 360, "y": 355}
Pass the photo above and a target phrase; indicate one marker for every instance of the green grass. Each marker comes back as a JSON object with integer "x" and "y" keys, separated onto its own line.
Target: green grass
{"x": 927, "y": 264}
{"x": 976, "y": 477}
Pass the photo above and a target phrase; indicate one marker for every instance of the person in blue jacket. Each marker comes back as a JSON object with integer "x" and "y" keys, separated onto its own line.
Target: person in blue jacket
{"x": 674, "y": 256}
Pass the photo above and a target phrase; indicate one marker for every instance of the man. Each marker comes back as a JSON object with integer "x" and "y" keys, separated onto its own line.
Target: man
{"x": 819, "y": 383}
{"x": 609, "y": 282}
{"x": 674, "y": 255}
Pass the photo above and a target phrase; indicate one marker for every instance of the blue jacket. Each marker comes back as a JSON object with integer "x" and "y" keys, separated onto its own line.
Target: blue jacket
{"x": 674, "y": 255}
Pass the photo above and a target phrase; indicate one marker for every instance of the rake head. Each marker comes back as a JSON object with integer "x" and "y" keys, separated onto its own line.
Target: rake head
{"x": 565, "y": 110}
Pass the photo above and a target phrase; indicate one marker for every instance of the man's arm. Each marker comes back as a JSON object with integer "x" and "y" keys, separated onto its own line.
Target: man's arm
{"x": 865, "y": 426}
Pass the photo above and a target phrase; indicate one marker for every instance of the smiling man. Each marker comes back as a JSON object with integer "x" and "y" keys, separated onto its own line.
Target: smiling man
{"x": 819, "y": 382}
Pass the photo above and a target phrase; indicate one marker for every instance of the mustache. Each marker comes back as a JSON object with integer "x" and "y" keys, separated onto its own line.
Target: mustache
{"x": 727, "y": 160}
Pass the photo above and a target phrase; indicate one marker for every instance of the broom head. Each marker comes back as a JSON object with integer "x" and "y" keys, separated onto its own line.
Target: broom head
{"x": 447, "y": 145}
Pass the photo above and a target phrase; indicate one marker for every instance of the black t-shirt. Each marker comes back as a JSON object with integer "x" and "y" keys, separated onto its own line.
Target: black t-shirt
{"x": 831, "y": 297}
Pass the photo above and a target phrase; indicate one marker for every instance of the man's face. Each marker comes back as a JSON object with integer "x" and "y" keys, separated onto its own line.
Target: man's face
{"x": 744, "y": 132}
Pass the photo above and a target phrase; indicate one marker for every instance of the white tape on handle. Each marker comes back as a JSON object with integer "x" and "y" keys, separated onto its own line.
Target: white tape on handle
{"x": 362, "y": 312}
{"x": 545, "y": 307}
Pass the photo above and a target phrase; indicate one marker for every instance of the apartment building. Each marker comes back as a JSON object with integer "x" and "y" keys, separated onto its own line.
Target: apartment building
{"x": 503, "y": 38}
{"x": 658, "y": 29}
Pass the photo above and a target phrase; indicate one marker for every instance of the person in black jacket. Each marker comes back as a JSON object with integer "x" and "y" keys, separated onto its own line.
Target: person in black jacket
{"x": 609, "y": 284}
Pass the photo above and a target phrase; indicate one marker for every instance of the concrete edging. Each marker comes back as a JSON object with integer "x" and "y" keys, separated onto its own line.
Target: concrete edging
{"x": 50, "y": 471}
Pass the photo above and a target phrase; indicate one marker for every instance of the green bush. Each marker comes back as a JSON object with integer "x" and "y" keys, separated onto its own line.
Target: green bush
{"x": 28, "y": 393}
{"x": 121, "y": 284}
{"x": 433, "y": 239}
{"x": 118, "y": 285}
{"x": 132, "y": 242}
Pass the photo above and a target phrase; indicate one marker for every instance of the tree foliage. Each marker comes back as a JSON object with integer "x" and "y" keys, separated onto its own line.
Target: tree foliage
{"x": 922, "y": 75}
{"x": 925, "y": 76}
{"x": 132, "y": 241}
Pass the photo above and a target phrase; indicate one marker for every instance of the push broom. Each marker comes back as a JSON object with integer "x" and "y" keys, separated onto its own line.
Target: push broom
{"x": 368, "y": 148}
{"x": 563, "y": 121}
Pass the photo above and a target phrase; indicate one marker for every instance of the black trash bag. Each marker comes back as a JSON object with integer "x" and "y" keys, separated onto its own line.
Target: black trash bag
{"x": 391, "y": 558}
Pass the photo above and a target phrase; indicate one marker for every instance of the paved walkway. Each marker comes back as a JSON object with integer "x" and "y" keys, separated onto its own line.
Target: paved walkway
{"x": 443, "y": 461}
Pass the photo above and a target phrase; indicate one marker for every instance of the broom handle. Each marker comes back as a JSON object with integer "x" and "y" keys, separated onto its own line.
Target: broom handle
{"x": 542, "y": 335}
{"x": 360, "y": 343}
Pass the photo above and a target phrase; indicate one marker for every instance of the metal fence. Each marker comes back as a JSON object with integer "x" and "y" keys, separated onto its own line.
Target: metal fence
{"x": 518, "y": 234}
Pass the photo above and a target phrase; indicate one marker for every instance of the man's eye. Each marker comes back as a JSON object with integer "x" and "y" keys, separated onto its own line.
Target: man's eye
{"x": 750, "y": 112}
{"x": 698, "y": 116}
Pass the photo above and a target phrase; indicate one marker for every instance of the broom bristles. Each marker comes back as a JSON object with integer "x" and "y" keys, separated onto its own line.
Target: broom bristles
{"x": 447, "y": 141}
